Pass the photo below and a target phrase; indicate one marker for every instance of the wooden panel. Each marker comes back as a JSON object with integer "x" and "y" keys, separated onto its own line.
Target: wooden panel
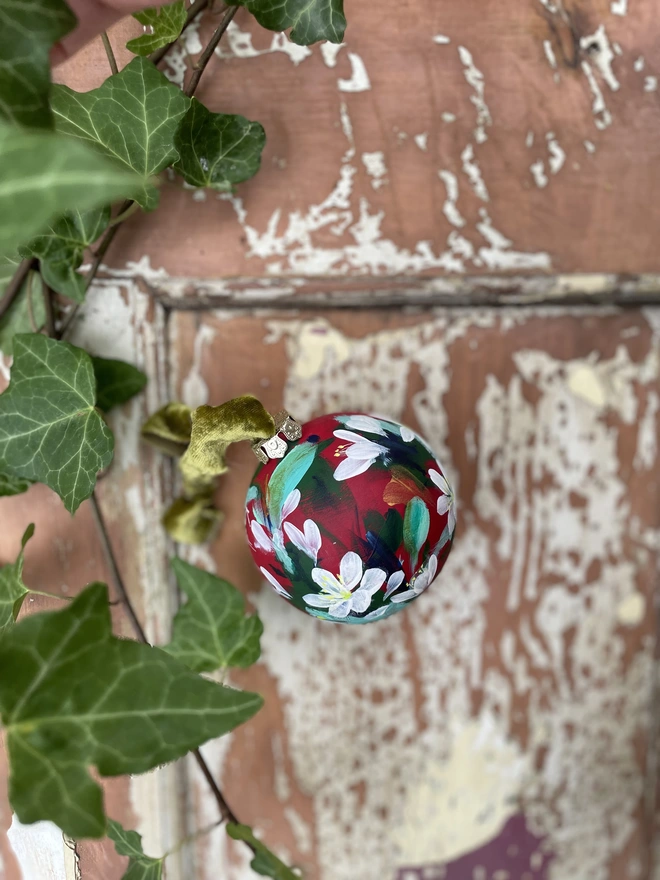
{"x": 444, "y": 137}
{"x": 513, "y": 701}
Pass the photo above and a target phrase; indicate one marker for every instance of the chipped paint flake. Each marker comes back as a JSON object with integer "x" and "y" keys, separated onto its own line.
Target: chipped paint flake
{"x": 651, "y": 84}
{"x": 473, "y": 172}
{"x": 590, "y": 147}
{"x": 449, "y": 209}
{"x": 239, "y": 45}
{"x": 475, "y": 79}
{"x": 441, "y": 40}
{"x": 557, "y": 154}
{"x": 448, "y": 117}
{"x": 538, "y": 173}
{"x": 42, "y": 852}
{"x": 329, "y": 53}
{"x": 639, "y": 64}
{"x": 422, "y": 141}
{"x": 376, "y": 168}
{"x": 602, "y": 116}
{"x": 601, "y": 54}
{"x": 619, "y": 7}
{"x": 359, "y": 81}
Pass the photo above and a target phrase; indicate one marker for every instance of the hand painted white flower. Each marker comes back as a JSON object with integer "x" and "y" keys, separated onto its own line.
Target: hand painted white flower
{"x": 262, "y": 538}
{"x": 394, "y": 582}
{"x": 422, "y": 582}
{"x": 309, "y": 540}
{"x": 447, "y": 501}
{"x": 365, "y": 423}
{"x": 273, "y": 580}
{"x": 340, "y": 596}
{"x": 360, "y": 455}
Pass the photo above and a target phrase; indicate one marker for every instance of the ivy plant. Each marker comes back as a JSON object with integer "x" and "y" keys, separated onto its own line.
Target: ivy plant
{"x": 77, "y": 703}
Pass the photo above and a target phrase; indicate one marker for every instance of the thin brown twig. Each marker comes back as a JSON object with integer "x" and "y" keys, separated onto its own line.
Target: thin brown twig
{"x": 197, "y": 7}
{"x": 49, "y": 325}
{"x": 226, "y": 811}
{"x": 207, "y": 54}
{"x": 28, "y": 299}
{"x": 107, "y": 45}
{"x": 14, "y": 287}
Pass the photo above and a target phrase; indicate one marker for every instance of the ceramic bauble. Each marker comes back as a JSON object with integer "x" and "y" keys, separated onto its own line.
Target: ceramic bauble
{"x": 354, "y": 520}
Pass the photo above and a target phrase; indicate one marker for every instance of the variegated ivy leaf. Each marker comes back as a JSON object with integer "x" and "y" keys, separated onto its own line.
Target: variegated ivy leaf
{"x": 12, "y": 589}
{"x": 309, "y": 20}
{"x": 43, "y": 174}
{"x": 72, "y": 697}
{"x": 50, "y": 431}
{"x": 131, "y": 118}
{"x": 211, "y": 631}
{"x": 264, "y": 862}
{"x": 218, "y": 150}
{"x": 61, "y": 247}
{"x": 28, "y": 31}
{"x": 116, "y": 382}
{"x": 27, "y": 313}
{"x": 165, "y": 24}
{"x": 129, "y": 843}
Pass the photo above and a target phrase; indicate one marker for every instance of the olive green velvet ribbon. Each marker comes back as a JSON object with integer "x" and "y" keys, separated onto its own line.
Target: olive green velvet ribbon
{"x": 199, "y": 439}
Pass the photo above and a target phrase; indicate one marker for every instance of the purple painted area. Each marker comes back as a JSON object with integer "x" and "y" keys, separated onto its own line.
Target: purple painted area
{"x": 515, "y": 854}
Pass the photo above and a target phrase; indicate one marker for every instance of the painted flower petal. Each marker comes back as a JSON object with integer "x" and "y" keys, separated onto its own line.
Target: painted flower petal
{"x": 340, "y": 609}
{"x": 312, "y": 537}
{"x": 372, "y": 581}
{"x": 327, "y": 581}
{"x": 361, "y": 600}
{"x": 444, "y": 504}
{"x": 273, "y": 580}
{"x": 451, "y": 521}
{"x": 317, "y": 601}
{"x": 352, "y": 467}
{"x": 394, "y": 582}
{"x": 365, "y": 423}
{"x": 291, "y": 503}
{"x": 363, "y": 450}
{"x": 261, "y": 537}
{"x": 406, "y": 434}
{"x": 350, "y": 570}
{"x": 404, "y": 597}
{"x": 351, "y": 436}
{"x": 440, "y": 481}
{"x": 296, "y": 537}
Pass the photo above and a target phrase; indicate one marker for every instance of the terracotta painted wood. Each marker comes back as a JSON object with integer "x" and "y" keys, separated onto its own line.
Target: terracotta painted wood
{"x": 457, "y": 137}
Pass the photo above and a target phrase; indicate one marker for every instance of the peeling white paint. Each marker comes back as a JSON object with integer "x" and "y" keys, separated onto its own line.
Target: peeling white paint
{"x": 448, "y": 117}
{"x": 639, "y": 64}
{"x": 422, "y": 141}
{"x": 590, "y": 147}
{"x": 238, "y": 44}
{"x": 449, "y": 209}
{"x": 376, "y": 168}
{"x": 359, "y": 81}
{"x": 529, "y": 140}
{"x": 557, "y": 154}
{"x": 176, "y": 60}
{"x": 619, "y": 7}
{"x": 473, "y": 172}
{"x": 631, "y": 609}
{"x": 475, "y": 80}
{"x": 651, "y": 84}
{"x": 441, "y": 40}
{"x": 601, "y": 55}
{"x": 329, "y": 52}
{"x": 42, "y": 852}
{"x": 602, "y": 116}
{"x": 538, "y": 173}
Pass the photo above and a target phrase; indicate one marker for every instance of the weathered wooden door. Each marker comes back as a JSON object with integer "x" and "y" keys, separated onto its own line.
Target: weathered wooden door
{"x": 455, "y": 225}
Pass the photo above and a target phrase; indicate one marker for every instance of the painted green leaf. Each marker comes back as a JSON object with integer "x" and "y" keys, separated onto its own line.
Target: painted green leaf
{"x": 116, "y": 382}
{"x": 310, "y": 20}
{"x": 131, "y": 118}
{"x": 165, "y": 24}
{"x": 12, "y": 589}
{"x": 27, "y": 314}
{"x": 211, "y": 631}
{"x": 286, "y": 476}
{"x": 129, "y": 843}
{"x": 61, "y": 248}
{"x": 43, "y": 174}
{"x": 265, "y": 862}
{"x": 50, "y": 431}
{"x": 73, "y": 696}
{"x": 416, "y": 522}
{"x": 218, "y": 150}
{"x": 11, "y": 485}
{"x": 28, "y": 31}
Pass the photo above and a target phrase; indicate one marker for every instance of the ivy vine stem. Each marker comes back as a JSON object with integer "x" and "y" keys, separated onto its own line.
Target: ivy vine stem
{"x": 226, "y": 812}
{"x": 107, "y": 45}
{"x": 14, "y": 287}
{"x": 207, "y": 54}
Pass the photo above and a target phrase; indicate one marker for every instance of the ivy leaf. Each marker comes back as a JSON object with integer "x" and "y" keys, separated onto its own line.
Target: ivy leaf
{"x": 74, "y": 696}
{"x": 129, "y": 843}
{"x": 49, "y": 429}
{"x": 12, "y": 589}
{"x": 166, "y": 23}
{"x": 116, "y": 382}
{"x": 28, "y": 311}
{"x": 43, "y": 174}
{"x": 28, "y": 31}
{"x": 217, "y": 150}
{"x": 132, "y": 118}
{"x": 310, "y": 20}
{"x": 11, "y": 485}
{"x": 61, "y": 248}
{"x": 265, "y": 862}
{"x": 211, "y": 631}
